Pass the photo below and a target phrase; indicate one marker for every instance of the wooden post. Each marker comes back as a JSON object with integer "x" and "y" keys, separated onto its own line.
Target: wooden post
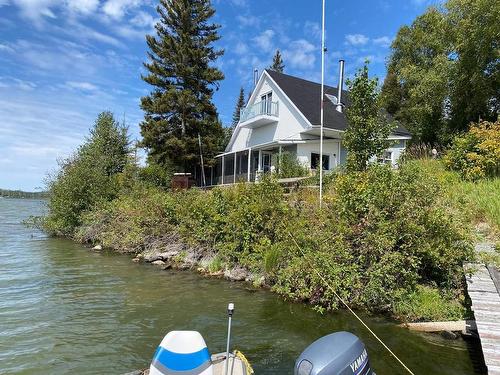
{"x": 223, "y": 165}
{"x": 249, "y": 164}
{"x": 279, "y": 160}
{"x": 235, "y": 164}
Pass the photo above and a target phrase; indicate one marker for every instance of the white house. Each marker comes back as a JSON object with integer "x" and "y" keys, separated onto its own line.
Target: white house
{"x": 283, "y": 115}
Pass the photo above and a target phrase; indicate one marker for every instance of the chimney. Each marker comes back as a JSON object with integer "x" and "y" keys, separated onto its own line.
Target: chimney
{"x": 340, "y": 106}
{"x": 255, "y": 77}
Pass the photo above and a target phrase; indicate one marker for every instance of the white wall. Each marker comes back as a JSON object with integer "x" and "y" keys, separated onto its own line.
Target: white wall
{"x": 330, "y": 148}
{"x": 289, "y": 125}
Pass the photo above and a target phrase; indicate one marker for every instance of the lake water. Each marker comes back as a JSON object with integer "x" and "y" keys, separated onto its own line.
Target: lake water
{"x": 65, "y": 309}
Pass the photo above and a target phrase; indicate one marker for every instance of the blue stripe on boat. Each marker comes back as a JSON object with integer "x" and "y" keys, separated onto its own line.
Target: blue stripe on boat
{"x": 181, "y": 361}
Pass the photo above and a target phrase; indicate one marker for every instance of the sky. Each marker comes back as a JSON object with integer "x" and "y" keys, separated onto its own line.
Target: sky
{"x": 64, "y": 61}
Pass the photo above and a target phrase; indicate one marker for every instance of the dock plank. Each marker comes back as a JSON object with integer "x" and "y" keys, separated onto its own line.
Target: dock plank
{"x": 485, "y": 302}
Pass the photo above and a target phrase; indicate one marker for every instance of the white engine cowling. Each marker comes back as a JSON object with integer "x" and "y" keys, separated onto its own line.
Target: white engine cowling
{"x": 182, "y": 352}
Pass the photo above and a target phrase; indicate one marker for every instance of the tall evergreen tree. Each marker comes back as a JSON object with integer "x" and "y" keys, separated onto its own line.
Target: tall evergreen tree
{"x": 239, "y": 105}
{"x": 278, "y": 65}
{"x": 180, "y": 67}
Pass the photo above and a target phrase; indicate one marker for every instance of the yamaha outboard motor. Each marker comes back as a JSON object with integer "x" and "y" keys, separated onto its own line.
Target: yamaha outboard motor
{"x": 340, "y": 353}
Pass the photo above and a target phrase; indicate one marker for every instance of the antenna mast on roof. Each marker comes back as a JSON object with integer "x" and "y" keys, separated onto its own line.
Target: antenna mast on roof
{"x": 320, "y": 162}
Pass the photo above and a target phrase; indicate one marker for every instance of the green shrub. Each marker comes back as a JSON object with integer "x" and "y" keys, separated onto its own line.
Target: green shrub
{"x": 89, "y": 177}
{"x": 289, "y": 166}
{"x": 476, "y": 154}
{"x": 155, "y": 175}
{"x": 380, "y": 235}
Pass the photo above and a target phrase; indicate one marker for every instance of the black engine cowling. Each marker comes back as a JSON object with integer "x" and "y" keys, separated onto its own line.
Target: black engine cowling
{"x": 340, "y": 353}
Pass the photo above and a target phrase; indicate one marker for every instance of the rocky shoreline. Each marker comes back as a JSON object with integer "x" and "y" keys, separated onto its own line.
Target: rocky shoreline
{"x": 169, "y": 252}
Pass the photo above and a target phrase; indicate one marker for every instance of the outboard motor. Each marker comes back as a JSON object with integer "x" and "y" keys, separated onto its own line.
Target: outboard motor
{"x": 182, "y": 352}
{"x": 340, "y": 353}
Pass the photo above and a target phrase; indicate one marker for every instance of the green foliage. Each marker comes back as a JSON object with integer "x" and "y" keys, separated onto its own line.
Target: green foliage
{"x": 444, "y": 71}
{"x": 429, "y": 304}
{"x": 381, "y": 234}
{"x": 277, "y": 65}
{"x": 289, "y": 166}
{"x": 240, "y": 104}
{"x": 368, "y": 128}
{"x": 88, "y": 177}
{"x": 156, "y": 175}
{"x": 181, "y": 71}
{"x": 478, "y": 200}
{"x": 476, "y": 154}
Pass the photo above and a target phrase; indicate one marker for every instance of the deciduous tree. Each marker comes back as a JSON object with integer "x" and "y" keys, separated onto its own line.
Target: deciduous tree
{"x": 368, "y": 129}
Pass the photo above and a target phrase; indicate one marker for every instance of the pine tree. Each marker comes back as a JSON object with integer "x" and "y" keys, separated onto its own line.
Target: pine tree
{"x": 239, "y": 105}
{"x": 180, "y": 69}
{"x": 278, "y": 65}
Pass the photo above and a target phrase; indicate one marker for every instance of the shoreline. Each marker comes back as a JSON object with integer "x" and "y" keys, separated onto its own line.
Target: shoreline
{"x": 179, "y": 256}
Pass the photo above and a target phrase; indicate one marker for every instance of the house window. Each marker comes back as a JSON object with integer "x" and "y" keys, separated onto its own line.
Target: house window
{"x": 315, "y": 161}
{"x": 385, "y": 158}
{"x": 265, "y": 102}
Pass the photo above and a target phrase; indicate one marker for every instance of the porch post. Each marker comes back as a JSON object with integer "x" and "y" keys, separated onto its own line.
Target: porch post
{"x": 338, "y": 156}
{"x": 235, "y": 158}
{"x": 249, "y": 164}
{"x": 260, "y": 161}
{"x": 222, "y": 180}
{"x": 279, "y": 159}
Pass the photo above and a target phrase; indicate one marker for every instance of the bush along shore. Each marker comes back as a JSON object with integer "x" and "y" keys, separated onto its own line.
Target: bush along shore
{"x": 387, "y": 241}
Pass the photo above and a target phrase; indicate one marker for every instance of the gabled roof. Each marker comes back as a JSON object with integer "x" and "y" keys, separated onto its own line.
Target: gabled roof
{"x": 305, "y": 95}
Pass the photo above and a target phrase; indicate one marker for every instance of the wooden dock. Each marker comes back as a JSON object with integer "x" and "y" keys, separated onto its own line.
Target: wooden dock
{"x": 485, "y": 299}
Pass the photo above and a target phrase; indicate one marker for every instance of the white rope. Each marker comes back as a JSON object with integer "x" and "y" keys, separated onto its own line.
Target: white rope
{"x": 347, "y": 306}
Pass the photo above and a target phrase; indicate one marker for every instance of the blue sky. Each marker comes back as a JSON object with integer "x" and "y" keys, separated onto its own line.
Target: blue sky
{"x": 64, "y": 61}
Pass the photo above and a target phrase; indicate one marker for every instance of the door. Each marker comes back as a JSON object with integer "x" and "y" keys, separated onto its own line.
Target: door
{"x": 266, "y": 101}
{"x": 266, "y": 161}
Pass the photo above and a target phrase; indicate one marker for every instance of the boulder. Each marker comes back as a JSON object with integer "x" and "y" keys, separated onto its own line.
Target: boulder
{"x": 236, "y": 274}
{"x": 97, "y": 248}
{"x": 158, "y": 263}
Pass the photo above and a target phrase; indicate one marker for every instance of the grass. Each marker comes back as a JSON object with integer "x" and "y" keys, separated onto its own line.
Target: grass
{"x": 480, "y": 200}
{"x": 429, "y": 304}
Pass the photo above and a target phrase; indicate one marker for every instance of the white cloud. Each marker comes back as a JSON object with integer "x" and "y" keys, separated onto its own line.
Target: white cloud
{"x": 248, "y": 20}
{"x": 143, "y": 19}
{"x": 313, "y": 29}
{"x": 300, "y": 54}
{"x": 4, "y": 2}
{"x": 241, "y": 48}
{"x": 6, "y": 48}
{"x": 356, "y": 39}
{"x": 117, "y": 8}
{"x": 383, "y": 41}
{"x": 82, "y": 6}
{"x": 265, "y": 40}
{"x": 85, "y": 86}
{"x": 37, "y": 9}
{"x": 16, "y": 83}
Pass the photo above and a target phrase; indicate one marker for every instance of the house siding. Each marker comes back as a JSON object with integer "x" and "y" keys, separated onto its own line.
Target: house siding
{"x": 289, "y": 125}
{"x": 330, "y": 148}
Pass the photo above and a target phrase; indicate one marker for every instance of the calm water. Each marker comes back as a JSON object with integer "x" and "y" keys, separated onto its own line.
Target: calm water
{"x": 64, "y": 309}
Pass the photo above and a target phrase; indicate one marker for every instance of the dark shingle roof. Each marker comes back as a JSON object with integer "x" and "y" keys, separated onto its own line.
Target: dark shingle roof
{"x": 306, "y": 96}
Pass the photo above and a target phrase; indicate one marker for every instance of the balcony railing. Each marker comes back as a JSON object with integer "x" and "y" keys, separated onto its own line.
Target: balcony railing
{"x": 263, "y": 108}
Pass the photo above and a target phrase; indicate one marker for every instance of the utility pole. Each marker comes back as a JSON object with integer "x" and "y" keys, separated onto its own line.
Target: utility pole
{"x": 323, "y": 50}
